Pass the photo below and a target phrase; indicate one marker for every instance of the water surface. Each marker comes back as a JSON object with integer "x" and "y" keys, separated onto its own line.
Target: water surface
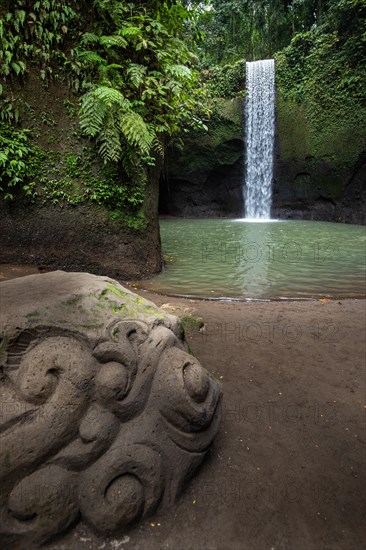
{"x": 221, "y": 258}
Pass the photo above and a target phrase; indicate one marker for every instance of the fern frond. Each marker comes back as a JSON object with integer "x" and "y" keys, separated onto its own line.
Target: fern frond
{"x": 111, "y": 98}
{"x": 115, "y": 40}
{"x": 89, "y": 38}
{"x": 174, "y": 86}
{"x": 92, "y": 114}
{"x": 111, "y": 77}
{"x": 114, "y": 66}
{"x": 178, "y": 71}
{"x": 129, "y": 31}
{"x": 158, "y": 147}
{"x": 136, "y": 131}
{"x": 91, "y": 57}
{"x": 109, "y": 143}
{"x": 136, "y": 73}
{"x": 101, "y": 111}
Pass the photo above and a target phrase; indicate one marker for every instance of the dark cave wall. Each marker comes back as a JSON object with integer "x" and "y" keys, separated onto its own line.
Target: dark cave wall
{"x": 205, "y": 177}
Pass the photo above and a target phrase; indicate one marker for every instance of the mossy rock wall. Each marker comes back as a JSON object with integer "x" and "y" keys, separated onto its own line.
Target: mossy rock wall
{"x": 71, "y": 218}
{"x": 320, "y": 164}
{"x": 204, "y": 178}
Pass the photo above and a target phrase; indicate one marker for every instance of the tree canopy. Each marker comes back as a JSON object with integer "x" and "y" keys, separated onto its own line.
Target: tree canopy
{"x": 256, "y": 29}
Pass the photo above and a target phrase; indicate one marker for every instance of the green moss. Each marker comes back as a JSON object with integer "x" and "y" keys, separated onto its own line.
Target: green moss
{"x": 77, "y": 178}
{"x": 112, "y": 305}
{"x": 47, "y": 118}
{"x": 190, "y": 323}
{"x": 153, "y": 311}
{"x": 227, "y": 109}
{"x": 226, "y": 122}
{"x": 330, "y": 134}
{"x": 220, "y": 145}
{"x": 113, "y": 289}
{"x": 132, "y": 306}
{"x": 71, "y": 109}
{"x": 226, "y": 81}
{"x": 72, "y": 164}
{"x": 293, "y": 131}
{"x": 321, "y": 108}
{"x": 338, "y": 134}
{"x": 73, "y": 300}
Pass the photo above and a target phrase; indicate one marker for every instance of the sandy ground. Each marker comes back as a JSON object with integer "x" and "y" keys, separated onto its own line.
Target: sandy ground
{"x": 287, "y": 470}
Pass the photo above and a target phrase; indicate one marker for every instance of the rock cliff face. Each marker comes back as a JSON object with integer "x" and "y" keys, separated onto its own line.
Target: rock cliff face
{"x": 305, "y": 189}
{"x": 78, "y": 238}
{"x": 324, "y": 181}
{"x": 320, "y": 168}
{"x": 205, "y": 177}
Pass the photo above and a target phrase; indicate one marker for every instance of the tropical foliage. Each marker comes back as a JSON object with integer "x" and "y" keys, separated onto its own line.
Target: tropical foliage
{"x": 33, "y": 31}
{"x": 255, "y": 29}
{"x": 15, "y": 150}
{"x": 329, "y": 59}
{"x": 139, "y": 78}
{"x": 131, "y": 65}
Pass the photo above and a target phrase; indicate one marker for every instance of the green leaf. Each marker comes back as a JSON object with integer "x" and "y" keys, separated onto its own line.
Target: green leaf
{"x": 136, "y": 131}
{"x": 21, "y": 16}
{"x": 178, "y": 71}
{"x": 16, "y": 68}
{"x": 89, "y": 38}
{"x": 110, "y": 96}
{"x": 130, "y": 31}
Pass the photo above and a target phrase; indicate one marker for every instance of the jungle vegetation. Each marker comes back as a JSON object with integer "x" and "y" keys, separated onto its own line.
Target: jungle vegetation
{"x": 142, "y": 72}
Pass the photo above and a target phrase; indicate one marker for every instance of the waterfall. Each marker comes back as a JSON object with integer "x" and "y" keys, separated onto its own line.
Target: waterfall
{"x": 260, "y": 124}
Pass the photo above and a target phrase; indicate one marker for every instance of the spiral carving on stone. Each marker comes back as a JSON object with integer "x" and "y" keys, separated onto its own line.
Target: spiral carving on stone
{"x": 104, "y": 415}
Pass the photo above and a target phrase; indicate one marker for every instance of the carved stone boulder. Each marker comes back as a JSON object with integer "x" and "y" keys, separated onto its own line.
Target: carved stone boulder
{"x": 104, "y": 414}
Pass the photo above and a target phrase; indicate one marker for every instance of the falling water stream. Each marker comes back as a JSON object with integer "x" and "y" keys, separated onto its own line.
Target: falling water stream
{"x": 259, "y": 134}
